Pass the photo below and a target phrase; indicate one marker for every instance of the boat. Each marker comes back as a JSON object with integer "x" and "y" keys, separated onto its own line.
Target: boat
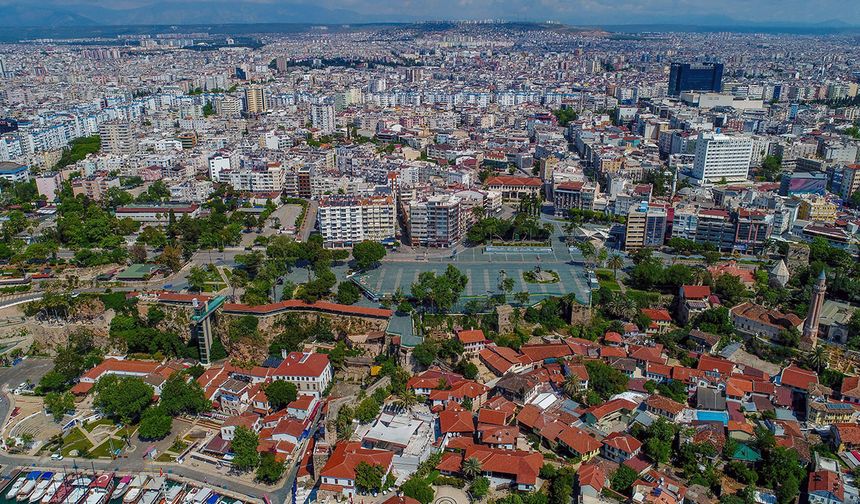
{"x": 134, "y": 489}
{"x": 61, "y": 493}
{"x": 213, "y": 499}
{"x": 53, "y": 484}
{"x": 174, "y": 494}
{"x": 121, "y": 487}
{"x": 39, "y": 491}
{"x": 30, "y": 482}
{"x": 16, "y": 486}
{"x": 100, "y": 489}
{"x": 80, "y": 488}
{"x": 189, "y": 496}
{"x": 201, "y": 496}
{"x": 152, "y": 490}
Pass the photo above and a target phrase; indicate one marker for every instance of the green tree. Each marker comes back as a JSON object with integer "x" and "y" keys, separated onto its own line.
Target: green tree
{"x": 58, "y": 404}
{"x": 439, "y": 292}
{"x": 622, "y": 479}
{"x": 197, "y": 278}
{"x": 367, "y": 410}
{"x": 348, "y": 293}
{"x": 270, "y": 470}
{"x": 730, "y": 289}
{"x": 155, "y": 423}
{"x": 281, "y": 393}
{"x": 122, "y": 397}
{"x": 181, "y": 395}
{"x": 368, "y": 477}
{"x": 471, "y": 468}
{"x": 479, "y": 487}
{"x": 605, "y": 380}
{"x": 418, "y": 489}
{"x": 171, "y": 256}
{"x": 367, "y": 254}
{"x": 245, "y": 455}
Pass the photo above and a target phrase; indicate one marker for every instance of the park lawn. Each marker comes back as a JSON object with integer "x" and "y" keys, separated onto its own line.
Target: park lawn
{"x": 643, "y": 298}
{"x": 179, "y": 446}
{"x": 104, "y": 450}
{"x": 75, "y": 440}
{"x": 606, "y": 279}
{"x": 164, "y": 457}
{"x": 91, "y": 426}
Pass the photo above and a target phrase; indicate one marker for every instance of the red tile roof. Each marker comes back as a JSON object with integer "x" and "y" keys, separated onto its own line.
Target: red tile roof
{"x": 452, "y": 421}
{"x": 793, "y": 376}
{"x": 347, "y": 455}
{"x": 295, "y": 304}
{"x": 471, "y": 336}
{"x": 623, "y": 442}
{"x": 696, "y": 291}
{"x": 302, "y": 364}
{"x": 521, "y": 466}
{"x": 505, "y": 180}
{"x": 579, "y": 440}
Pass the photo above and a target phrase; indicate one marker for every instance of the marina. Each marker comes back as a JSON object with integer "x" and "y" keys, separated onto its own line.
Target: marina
{"x": 50, "y": 487}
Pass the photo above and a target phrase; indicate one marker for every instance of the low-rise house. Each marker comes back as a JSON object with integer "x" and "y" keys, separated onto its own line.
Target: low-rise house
{"x": 519, "y": 389}
{"x": 825, "y": 487}
{"x": 797, "y": 379}
{"x": 338, "y": 474}
{"x": 592, "y": 480}
{"x": 693, "y": 300}
{"x": 503, "y": 360}
{"x": 619, "y": 447}
{"x": 757, "y": 320}
{"x": 432, "y": 379}
{"x": 580, "y": 443}
{"x": 459, "y": 392}
{"x": 473, "y": 340}
{"x": 704, "y": 342}
{"x": 845, "y": 436}
{"x": 248, "y": 421}
{"x": 661, "y": 320}
{"x": 665, "y": 407}
{"x": 850, "y": 390}
{"x": 602, "y": 415}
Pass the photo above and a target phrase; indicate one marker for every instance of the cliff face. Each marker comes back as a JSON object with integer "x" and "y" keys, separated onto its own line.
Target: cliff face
{"x": 247, "y": 344}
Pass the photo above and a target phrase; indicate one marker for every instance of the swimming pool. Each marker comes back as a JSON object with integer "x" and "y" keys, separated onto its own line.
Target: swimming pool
{"x": 712, "y": 416}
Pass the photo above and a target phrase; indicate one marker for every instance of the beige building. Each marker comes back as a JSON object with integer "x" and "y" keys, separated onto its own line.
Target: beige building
{"x": 816, "y": 208}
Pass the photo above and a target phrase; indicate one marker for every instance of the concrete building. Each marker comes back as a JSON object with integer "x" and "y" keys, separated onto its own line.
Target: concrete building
{"x": 116, "y": 138}
{"x": 94, "y": 187}
{"x": 436, "y": 221}
{"x": 646, "y": 227}
{"x": 720, "y": 157}
{"x": 256, "y": 101}
{"x": 346, "y": 220}
{"x": 322, "y": 117}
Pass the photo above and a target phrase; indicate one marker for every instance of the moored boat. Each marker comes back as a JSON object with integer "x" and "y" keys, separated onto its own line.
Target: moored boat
{"x": 134, "y": 489}
{"x": 61, "y": 493}
{"x": 174, "y": 494}
{"x": 100, "y": 489}
{"x": 80, "y": 487}
{"x": 121, "y": 487}
{"x": 202, "y": 495}
{"x": 53, "y": 484}
{"x": 29, "y": 484}
{"x": 189, "y": 496}
{"x": 40, "y": 488}
{"x": 16, "y": 487}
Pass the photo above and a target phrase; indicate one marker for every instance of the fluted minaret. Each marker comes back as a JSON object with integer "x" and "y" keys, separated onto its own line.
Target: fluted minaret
{"x": 810, "y": 327}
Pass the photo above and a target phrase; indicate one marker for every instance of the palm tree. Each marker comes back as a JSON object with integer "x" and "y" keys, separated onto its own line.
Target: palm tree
{"x": 616, "y": 263}
{"x": 622, "y": 307}
{"x": 571, "y": 385}
{"x": 818, "y": 358}
{"x": 407, "y": 400}
{"x": 602, "y": 256}
{"x": 471, "y": 468}
{"x": 587, "y": 250}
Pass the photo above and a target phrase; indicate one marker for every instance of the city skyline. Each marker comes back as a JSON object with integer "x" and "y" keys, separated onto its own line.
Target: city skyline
{"x": 829, "y": 14}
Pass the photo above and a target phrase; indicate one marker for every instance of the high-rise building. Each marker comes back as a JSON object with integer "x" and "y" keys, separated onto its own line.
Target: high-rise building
{"x": 809, "y": 337}
{"x": 346, "y": 220}
{"x": 281, "y": 64}
{"x": 704, "y": 77}
{"x": 2, "y": 68}
{"x": 846, "y": 180}
{"x": 256, "y": 101}
{"x": 322, "y": 117}
{"x": 720, "y": 156}
{"x": 436, "y": 222}
{"x": 116, "y": 137}
{"x": 646, "y": 227}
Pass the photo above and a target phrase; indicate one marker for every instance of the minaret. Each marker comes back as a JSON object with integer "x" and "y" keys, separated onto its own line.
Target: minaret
{"x": 809, "y": 338}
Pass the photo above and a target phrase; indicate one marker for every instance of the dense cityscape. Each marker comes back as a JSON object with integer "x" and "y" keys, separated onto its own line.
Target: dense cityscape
{"x": 435, "y": 263}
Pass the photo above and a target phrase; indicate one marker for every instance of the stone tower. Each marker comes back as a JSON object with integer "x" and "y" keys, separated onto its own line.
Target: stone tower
{"x": 810, "y": 327}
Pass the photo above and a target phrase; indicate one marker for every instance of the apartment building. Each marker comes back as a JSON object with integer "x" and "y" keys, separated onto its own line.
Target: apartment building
{"x": 311, "y": 373}
{"x": 646, "y": 227}
{"x": 436, "y": 222}
{"x": 94, "y": 187}
{"x": 346, "y": 220}
{"x": 722, "y": 157}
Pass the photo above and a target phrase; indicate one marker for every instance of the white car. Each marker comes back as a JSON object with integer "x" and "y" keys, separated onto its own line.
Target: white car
{"x": 56, "y": 456}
